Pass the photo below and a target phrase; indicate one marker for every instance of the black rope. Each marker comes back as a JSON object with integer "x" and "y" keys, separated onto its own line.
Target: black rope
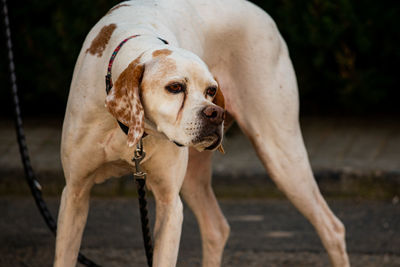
{"x": 148, "y": 245}
{"x": 23, "y": 149}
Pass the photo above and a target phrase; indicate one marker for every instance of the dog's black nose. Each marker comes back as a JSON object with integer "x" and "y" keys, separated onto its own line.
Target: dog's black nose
{"x": 214, "y": 114}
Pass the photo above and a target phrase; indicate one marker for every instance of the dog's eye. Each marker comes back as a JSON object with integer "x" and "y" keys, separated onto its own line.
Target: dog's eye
{"x": 211, "y": 91}
{"x": 175, "y": 88}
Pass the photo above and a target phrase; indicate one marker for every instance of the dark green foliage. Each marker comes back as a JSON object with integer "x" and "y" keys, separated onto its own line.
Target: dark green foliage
{"x": 344, "y": 52}
{"x": 47, "y": 37}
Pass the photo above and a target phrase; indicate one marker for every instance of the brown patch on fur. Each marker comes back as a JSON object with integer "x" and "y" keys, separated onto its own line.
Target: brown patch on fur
{"x": 219, "y": 98}
{"x": 123, "y": 115}
{"x": 123, "y": 100}
{"x": 129, "y": 78}
{"x": 162, "y": 52}
{"x": 100, "y": 42}
{"x": 221, "y": 149}
{"x": 116, "y": 7}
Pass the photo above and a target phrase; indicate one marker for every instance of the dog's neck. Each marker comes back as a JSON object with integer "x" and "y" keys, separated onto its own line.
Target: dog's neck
{"x": 132, "y": 49}
{"x": 150, "y": 128}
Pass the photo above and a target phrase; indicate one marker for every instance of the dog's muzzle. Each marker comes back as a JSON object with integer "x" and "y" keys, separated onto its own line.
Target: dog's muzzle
{"x": 210, "y": 135}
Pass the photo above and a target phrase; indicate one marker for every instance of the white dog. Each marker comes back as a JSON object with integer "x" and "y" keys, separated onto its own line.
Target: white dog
{"x": 165, "y": 77}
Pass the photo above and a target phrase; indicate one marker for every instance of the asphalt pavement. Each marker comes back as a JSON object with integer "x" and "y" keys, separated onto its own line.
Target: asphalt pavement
{"x": 355, "y": 161}
{"x": 264, "y": 232}
{"x": 349, "y": 156}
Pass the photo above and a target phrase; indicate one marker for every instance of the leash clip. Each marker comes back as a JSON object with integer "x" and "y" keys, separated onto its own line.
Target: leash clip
{"x": 137, "y": 158}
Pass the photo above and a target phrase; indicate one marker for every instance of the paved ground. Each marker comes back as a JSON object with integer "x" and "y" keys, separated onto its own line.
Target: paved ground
{"x": 356, "y": 163}
{"x": 349, "y": 145}
{"x": 360, "y": 156}
{"x": 264, "y": 233}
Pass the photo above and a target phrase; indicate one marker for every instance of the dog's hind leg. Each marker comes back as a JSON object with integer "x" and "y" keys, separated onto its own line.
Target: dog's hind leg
{"x": 198, "y": 194}
{"x": 269, "y": 117}
{"x": 261, "y": 92}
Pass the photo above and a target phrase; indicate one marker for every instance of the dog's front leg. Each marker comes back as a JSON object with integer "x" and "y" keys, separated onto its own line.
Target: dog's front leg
{"x": 166, "y": 171}
{"x": 71, "y": 222}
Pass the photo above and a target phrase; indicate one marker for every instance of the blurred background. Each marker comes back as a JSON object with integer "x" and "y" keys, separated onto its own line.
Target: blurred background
{"x": 344, "y": 52}
{"x": 346, "y": 56}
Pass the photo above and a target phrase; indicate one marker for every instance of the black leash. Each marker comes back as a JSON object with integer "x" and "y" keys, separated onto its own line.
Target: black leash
{"x": 23, "y": 149}
{"x": 140, "y": 179}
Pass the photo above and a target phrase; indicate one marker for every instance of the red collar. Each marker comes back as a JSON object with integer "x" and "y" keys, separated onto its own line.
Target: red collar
{"x": 109, "y": 83}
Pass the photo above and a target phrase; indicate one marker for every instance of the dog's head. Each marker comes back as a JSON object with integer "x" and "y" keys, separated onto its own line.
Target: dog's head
{"x": 176, "y": 92}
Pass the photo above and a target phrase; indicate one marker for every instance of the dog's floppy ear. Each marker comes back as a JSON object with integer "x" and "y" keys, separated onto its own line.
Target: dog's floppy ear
{"x": 219, "y": 99}
{"x": 123, "y": 101}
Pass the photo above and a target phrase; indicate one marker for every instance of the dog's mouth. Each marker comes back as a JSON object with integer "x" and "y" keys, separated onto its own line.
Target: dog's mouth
{"x": 215, "y": 144}
{"x": 208, "y": 142}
